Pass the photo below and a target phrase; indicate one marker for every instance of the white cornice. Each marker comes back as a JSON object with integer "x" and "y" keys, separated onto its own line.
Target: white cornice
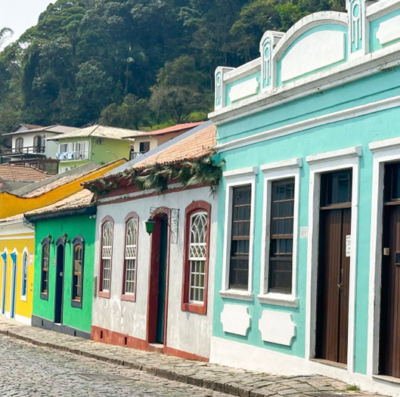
{"x": 240, "y": 172}
{"x": 393, "y": 143}
{"x": 354, "y": 151}
{"x": 381, "y": 8}
{"x": 312, "y": 123}
{"x": 279, "y": 165}
{"x": 242, "y": 71}
{"x": 352, "y": 70}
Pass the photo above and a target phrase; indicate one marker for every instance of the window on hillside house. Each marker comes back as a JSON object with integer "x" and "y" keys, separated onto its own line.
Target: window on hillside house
{"x": 144, "y": 147}
{"x": 19, "y": 145}
{"x": 82, "y": 150}
{"x": 281, "y": 244}
{"x": 45, "y": 268}
{"x": 106, "y": 257}
{"x": 240, "y": 238}
{"x": 39, "y": 144}
{"x": 77, "y": 272}
{"x": 130, "y": 260}
{"x": 24, "y": 275}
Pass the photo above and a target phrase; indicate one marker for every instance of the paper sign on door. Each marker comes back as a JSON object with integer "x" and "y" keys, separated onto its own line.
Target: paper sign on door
{"x": 348, "y": 245}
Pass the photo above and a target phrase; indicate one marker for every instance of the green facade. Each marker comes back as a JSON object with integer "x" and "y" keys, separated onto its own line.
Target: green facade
{"x": 73, "y": 317}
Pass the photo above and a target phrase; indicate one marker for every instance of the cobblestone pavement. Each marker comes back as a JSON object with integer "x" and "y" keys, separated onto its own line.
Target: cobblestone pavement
{"x": 68, "y": 367}
{"x": 39, "y": 371}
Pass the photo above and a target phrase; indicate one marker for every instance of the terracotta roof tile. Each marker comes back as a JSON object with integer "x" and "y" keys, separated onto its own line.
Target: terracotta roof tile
{"x": 21, "y": 173}
{"x": 78, "y": 200}
{"x": 195, "y": 146}
{"x": 173, "y": 129}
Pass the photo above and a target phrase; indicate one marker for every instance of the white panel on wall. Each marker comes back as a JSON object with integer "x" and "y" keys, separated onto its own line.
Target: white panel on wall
{"x": 318, "y": 50}
{"x": 389, "y": 31}
{"x": 235, "y": 319}
{"x": 243, "y": 90}
{"x": 277, "y": 327}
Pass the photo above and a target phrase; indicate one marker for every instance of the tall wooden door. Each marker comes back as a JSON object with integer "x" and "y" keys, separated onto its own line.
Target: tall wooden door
{"x": 334, "y": 267}
{"x": 389, "y": 357}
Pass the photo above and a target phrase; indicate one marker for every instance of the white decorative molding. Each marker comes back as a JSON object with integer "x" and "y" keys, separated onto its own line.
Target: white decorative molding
{"x": 283, "y": 164}
{"x": 316, "y": 51}
{"x": 355, "y": 151}
{"x": 356, "y": 19}
{"x": 278, "y": 300}
{"x": 313, "y": 122}
{"x": 23, "y": 320}
{"x": 243, "y": 90}
{"x": 389, "y": 31}
{"x": 242, "y": 71}
{"x": 240, "y": 172}
{"x": 277, "y": 327}
{"x": 392, "y": 143}
{"x": 381, "y": 8}
{"x": 235, "y": 319}
{"x": 237, "y": 295}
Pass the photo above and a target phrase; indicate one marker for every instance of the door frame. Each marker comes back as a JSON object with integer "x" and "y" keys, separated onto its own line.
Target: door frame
{"x": 319, "y": 163}
{"x": 385, "y": 151}
{"x": 157, "y": 213}
{"x": 60, "y": 241}
{"x": 13, "y": 285}
{"x": 4, "y": 281}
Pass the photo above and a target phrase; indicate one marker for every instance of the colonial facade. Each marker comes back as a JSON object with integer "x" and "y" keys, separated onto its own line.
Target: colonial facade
{"x": 64, "y": 245}
{"x": 307, "y": 247}
{"x": 155, "y": 292}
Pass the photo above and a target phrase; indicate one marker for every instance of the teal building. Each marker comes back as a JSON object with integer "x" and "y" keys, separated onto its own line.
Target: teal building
{"x": 308, "y": 250}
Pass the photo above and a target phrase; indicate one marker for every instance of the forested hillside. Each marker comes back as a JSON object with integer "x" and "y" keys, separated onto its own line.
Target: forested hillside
{"x": 133, "y": 63}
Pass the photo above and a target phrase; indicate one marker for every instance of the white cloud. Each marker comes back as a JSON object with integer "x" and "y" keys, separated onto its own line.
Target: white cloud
{"x": 20, "y": 15}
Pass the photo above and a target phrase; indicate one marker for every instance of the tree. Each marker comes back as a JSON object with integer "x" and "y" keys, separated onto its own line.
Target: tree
{"x": 130, "y": 114}
{"x": 5, "y": 33}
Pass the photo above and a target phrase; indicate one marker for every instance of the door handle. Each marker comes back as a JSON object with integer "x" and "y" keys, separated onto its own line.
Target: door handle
{"x": 340, "y": 286}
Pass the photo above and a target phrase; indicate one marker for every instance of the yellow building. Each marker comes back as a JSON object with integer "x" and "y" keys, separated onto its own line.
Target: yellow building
{"x": 17, "y": 237}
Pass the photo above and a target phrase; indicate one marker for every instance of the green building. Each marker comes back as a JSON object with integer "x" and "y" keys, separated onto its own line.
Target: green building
{"x": 63, "y": 268}
{"x": 97, "y": 144}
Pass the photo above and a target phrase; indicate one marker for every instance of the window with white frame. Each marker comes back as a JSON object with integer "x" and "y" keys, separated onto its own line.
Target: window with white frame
{"x": 197, "y": 256}
{"x": 130, "y": 255}
{"x": 24, "y": 275}
{"x": 106, "y": 255}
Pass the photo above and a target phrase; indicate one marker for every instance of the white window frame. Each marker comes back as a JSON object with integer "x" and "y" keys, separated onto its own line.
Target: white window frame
{"x": 336, "y": 160}
{"x": 24, "y": 252}
{"x": 384, "y": 152}
{"x": 204, "y": 259}
{"x": 108, "y": 248}
{"x": 285, "y": 169}
{"x": 134, "y": 247}
{"x": 85, "y": 152}
{"x": 236, "y": 178}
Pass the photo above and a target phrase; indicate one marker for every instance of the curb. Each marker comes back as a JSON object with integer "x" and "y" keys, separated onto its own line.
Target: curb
{"x": 215, "y": 385}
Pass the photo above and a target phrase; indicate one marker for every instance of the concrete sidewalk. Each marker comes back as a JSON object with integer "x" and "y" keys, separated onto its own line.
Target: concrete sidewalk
{"x": 214, "y": 377}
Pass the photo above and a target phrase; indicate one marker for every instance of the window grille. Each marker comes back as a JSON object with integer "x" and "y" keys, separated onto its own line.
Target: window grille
{"x": 77, "y": 273}
{"x": 240, "y": 238}
{"x": 197, "y": 256}
{"x": 130, "y": 255}
{"x": 45, "y": 267}
{"x": 281, "y": 245}
{"x": 106, "y": 255}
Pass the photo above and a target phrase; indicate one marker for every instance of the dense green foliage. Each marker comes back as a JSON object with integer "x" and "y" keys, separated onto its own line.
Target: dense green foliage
{"x": 133, "y": 63}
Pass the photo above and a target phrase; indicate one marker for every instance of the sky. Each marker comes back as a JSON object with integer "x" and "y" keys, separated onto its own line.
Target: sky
{"x": 20, "y": 15}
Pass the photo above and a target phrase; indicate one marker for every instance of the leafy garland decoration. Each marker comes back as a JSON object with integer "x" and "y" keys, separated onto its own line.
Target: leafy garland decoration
{"x": 202, "y": 171}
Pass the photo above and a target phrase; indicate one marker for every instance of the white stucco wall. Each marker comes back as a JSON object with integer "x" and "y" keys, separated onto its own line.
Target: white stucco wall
{"x": 51, "y": 146}
{"x": 186, "y": 331}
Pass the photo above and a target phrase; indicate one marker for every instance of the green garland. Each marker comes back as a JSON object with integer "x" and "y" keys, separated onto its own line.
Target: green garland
{"x": 203, "y": 171}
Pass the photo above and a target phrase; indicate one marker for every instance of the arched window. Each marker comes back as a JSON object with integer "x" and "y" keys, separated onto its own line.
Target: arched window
{"x": 39, "y": 144}
{"x": 19, "y": 145}
{"x": 197, "y": 230}
{"x": 44, "y": 282}
{"x": 130, "y": 257}
{"x": 77, "y": 272}
{"x": 106, "y": 257}
{"x": 24, "y": 275}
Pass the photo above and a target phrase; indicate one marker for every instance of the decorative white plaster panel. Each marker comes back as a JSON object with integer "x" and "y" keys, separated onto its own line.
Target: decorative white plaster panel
{"x": 243, "y": 90}
{"x": 235, "y": 319}
{"x": 389, "y": 31}
{"x": 318, "y": 50}
{"x": 277, "y": 327}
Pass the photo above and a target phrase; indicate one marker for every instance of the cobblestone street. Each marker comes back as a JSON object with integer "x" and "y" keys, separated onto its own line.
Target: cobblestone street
{"x": 63, "y": 365}
{"x": 56, "y": 373}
